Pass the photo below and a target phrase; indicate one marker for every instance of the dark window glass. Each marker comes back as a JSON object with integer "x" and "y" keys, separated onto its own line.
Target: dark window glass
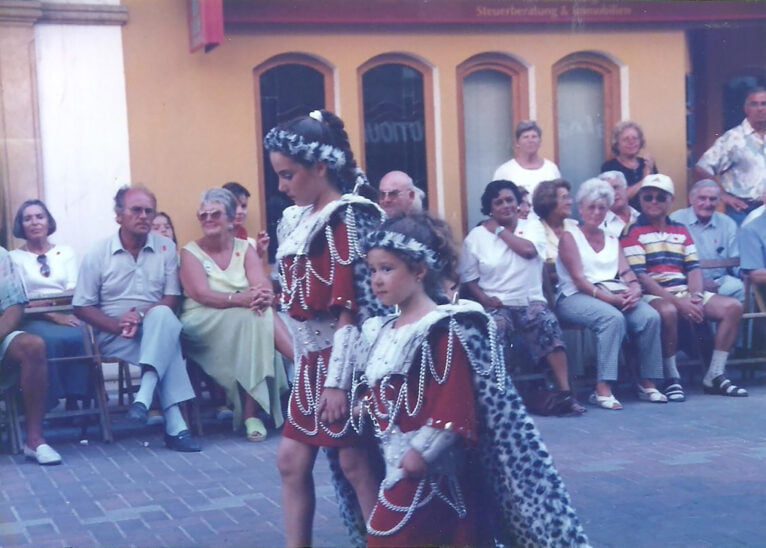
{"x": 287, "y": 91}
{"x": 394, "y": 123}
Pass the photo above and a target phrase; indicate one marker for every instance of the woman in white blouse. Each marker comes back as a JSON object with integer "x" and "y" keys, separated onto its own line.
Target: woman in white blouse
{"x": 49, "y": 270}
{"x": 598, "y": 290}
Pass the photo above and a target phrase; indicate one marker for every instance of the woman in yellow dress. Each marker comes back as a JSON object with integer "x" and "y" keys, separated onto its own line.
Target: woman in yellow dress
{"x": 228, "y": 322}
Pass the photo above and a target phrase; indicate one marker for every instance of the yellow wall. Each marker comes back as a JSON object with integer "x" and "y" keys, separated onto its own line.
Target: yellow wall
{"x": 192, "y": 116}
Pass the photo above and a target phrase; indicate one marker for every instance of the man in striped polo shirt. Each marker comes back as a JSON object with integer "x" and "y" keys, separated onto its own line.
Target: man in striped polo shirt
{"x": 662, "y": 254}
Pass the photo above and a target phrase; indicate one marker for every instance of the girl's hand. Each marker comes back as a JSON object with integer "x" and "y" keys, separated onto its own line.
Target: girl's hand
{"x": 333, "y": 405}
{"x": 262, "y": 243}
{"x": 413, "y": 464}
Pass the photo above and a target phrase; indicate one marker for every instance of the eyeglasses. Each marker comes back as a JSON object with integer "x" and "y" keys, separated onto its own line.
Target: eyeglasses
{"x": 389, "y": 194}
{"x": 660, "y": 198}
{"x": 45, "y": 268}
{"x": 213, "y": 215}
{"x": 138, "y": 210}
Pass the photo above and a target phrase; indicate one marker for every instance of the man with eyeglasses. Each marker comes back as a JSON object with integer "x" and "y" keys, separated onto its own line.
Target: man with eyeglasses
{"x": 127, "y": 289}
{"x": 22, "y": 356}
{"x": 398, "y": 194}
{"x": 737, "y": 159}
{"x": 662, "y": 254}
{"x": 714, "y": 235}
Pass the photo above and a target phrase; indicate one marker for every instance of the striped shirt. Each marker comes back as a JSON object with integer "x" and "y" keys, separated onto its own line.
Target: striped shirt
{"x": 665, "y": 256}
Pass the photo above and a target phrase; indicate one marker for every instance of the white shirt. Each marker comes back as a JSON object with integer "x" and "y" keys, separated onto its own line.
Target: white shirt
{"x": 596, "y": 266}
{"x": 614, "y": 225}
{"x": 499, "y": 271}
{"x": 63, "y": 271}
{"x": 757, "y": 212}
{"x": 527, "y": 178}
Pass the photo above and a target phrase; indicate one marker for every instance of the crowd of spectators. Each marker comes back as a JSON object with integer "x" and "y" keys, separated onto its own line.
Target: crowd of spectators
{"x": 629, "y": 267}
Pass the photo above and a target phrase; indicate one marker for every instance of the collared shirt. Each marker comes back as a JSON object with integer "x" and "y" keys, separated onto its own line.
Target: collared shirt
{"x": 614, "y": 225}
{"x": 501, "y": 272}
{"x": 752, "y": 243}
{"x": 11, "y": 286}
{"x": 665, "y": 256}
{"x": 112, "y": 280}
{"x": 738, "y": 157}
{"x": 717, "y": 239}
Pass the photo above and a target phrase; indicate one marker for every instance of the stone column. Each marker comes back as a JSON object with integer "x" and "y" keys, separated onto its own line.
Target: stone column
{"x": 20, "y": 159}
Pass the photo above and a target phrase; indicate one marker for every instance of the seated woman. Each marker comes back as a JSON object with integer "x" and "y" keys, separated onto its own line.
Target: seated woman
{"x": 587, "y": 258}
{"x": 553, "y": 204}
{"x": 50, "y": 270}
{"x": 501, "y": 267}
{"x": 163, "y": 225}
{"x": 228, "y": 324}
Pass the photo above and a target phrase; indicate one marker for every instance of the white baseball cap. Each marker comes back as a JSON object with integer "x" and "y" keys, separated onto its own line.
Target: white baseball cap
{"x": 658, "y": 180}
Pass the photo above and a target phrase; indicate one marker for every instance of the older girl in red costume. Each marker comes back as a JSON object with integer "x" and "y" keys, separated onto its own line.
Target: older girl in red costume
{"x": 465, "y": 465}
{"x": 325, "y": 292}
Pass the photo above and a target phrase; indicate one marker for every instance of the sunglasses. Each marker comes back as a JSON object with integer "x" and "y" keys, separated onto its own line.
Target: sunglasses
{"x": 45, "y": 268}
{"x": 660, "y": 197}
{"x": 389, "y": 194}
{"x": 138, "y": 210}
{"x": 212, "y": 215}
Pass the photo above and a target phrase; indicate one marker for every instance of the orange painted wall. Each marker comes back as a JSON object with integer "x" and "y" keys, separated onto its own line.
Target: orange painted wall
{"x": 192, "y": 116}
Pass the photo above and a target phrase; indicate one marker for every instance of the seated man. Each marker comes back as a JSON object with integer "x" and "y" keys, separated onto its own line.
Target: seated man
{"x": 127, "y": 289}
{"x": 27, "y": 352}
{"x": 662, "y": 254}
{"x": 398, "y": 194}
{"x": 714, "y": 235}
{"x": 621, "y": 215}
{"x": 752, "y": 242}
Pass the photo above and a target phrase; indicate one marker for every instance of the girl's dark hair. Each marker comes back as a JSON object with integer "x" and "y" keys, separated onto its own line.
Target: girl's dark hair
{"x": 237, "y": 189}
{"x": 492, "y": 191}
{"x": 18, "y": 221}
{"x": 170, "y": 223}
{"x": 330, "y": 131}
{"x": 436, "y": 235}
{"x": 545, "y": 199}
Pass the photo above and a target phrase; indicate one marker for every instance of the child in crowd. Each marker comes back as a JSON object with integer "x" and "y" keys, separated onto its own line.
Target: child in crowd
{"x": 465, "y": 465}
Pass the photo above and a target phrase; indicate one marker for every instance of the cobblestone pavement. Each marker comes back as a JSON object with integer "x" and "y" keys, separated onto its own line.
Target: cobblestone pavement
{"x": 673, "y": 475}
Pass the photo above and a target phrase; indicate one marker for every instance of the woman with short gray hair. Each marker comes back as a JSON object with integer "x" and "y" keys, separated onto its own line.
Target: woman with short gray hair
{"x": 228, "y": 323}
{"x": 598, "y": 290}
{"x": 627, "y": 142}
{"x": 526, "y": 169}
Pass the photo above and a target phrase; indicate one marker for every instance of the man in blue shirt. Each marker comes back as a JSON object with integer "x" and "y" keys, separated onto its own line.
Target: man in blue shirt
{"x": 714, "y": 235}
{"x": 25, "y": 353}
{"x": 752, "y": 242}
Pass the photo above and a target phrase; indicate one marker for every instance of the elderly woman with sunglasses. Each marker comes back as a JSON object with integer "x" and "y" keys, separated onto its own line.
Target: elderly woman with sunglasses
{"x": 50, "y": 270}
{"x": 228, "y": 323}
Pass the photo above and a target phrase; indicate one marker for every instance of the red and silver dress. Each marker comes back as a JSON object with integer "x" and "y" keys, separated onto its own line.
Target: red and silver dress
{"x": 439, "y": 386}
{"x": 322, "y": 272}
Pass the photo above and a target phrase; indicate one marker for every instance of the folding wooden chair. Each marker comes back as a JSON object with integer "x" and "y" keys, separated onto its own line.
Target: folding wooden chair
{"x": 63, "y": 303}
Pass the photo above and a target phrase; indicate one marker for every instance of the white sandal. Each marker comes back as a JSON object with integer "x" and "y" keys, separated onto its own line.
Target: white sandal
{"x": 651, "y": 395}
{"x": 44, "y": 454}
{"x": 607, "y": 402}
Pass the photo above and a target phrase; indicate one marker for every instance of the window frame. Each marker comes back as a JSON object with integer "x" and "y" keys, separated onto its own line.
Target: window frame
{"x": 610, "y": 73}
{"x": 310, "y": 61}
{"x": 503, "y": 63}
{"x": 426, "y": 72}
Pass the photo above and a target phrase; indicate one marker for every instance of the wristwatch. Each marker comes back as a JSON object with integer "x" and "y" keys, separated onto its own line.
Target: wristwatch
{"x": 141, "y": 315}
{"x": 698, "y": 295}
{"x": 498, "y": 230}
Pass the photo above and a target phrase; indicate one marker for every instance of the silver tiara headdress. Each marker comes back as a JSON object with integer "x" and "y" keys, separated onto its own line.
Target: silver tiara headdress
{"x": 295, "y": 146}
{"x": 396, "y": 241}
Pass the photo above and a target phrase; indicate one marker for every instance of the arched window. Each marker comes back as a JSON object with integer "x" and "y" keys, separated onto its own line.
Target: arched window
{"x": 587, "y": 108}
{"x": 397, "y": 113}
{"x": 493, "y": 98}
{"x": 286, "y": 86}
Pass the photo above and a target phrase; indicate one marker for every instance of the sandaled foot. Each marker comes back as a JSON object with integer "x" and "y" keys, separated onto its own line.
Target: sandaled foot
{"x": 255, "y": 430}
{"x": 651, "y": 395}
{"x": 223, "y": 413}
{"x": 567, "y": 405}
{"x": 674, "y": 391}
{"x": 607, "y": 402}
{"x": 724, "y": 387}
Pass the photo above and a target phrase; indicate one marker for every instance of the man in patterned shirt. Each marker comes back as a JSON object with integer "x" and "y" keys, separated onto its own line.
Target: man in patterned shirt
{"x": 737, "y": 160}
{"x": 662, "y": 254}
{"x": 23, "y": 354}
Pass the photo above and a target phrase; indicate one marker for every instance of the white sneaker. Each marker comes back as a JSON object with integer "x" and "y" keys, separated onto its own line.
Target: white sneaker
{"x": 44, "y": 454}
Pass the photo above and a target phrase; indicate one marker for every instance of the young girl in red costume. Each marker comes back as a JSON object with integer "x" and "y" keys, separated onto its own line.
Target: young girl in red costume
{"x": 465, "y": 465}
{"x": 325, "y": 292}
